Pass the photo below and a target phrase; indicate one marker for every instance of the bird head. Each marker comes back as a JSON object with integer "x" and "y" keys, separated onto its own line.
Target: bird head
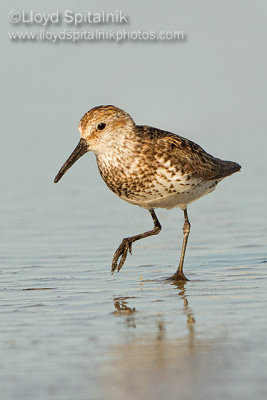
{"x": 101, "y": 128}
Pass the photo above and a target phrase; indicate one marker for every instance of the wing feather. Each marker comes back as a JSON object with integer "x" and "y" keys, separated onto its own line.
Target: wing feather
{"x": 188, "y": 156}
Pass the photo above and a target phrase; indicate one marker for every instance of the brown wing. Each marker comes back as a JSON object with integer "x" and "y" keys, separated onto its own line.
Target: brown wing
{"x": 187, "y": 155}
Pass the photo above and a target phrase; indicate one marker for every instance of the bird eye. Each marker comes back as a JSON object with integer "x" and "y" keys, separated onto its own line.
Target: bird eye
{"x": 101, "y": 126}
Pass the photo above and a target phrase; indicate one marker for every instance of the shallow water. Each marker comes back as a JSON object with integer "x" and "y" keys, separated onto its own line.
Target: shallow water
{"x": 71, "y": 330}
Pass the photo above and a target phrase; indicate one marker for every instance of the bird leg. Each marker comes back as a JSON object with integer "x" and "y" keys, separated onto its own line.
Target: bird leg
{"x": 126, "y": 244}
{"x": 179, "y": 275}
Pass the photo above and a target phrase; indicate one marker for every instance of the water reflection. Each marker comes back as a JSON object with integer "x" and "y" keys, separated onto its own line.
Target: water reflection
{"x": 121, "y": 308}
{"x": 190, "y": 320}
{"x": 143, "y": 359}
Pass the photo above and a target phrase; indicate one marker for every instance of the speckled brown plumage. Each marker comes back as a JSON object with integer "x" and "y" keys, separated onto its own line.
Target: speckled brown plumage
{"x": 148, "y": 167}
{"x": 152, "y": 150}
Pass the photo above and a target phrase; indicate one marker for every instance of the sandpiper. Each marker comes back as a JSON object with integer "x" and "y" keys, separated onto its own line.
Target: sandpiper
{"x": 147, "y": 167}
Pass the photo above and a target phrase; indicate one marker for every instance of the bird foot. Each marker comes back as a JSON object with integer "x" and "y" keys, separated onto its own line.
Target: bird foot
{"x": 178, "y": 276}
{"x": 121, "y": 253}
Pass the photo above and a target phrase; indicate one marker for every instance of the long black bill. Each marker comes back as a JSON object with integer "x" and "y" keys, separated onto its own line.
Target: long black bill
{"x": 79, "y": 151}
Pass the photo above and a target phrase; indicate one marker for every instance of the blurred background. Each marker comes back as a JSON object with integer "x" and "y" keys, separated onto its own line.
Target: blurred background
{"x": 87, "y": 334}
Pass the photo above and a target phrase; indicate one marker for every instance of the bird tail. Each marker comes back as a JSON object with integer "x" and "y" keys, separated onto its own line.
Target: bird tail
{"x": 227, "y": 168}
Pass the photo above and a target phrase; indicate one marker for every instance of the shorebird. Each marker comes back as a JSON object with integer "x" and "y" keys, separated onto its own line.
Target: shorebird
{"x": 147, "y": 167}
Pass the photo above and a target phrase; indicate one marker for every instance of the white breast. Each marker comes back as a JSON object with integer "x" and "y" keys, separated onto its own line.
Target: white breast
{"x": 181, "y": 198}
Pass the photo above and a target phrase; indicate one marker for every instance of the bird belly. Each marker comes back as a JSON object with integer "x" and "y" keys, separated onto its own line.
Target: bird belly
{"x": 176, "y": 198}
{"x": 164, "y": 188}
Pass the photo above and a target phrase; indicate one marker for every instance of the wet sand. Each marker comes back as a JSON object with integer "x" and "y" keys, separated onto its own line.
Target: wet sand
{"x": 91, "y": 336}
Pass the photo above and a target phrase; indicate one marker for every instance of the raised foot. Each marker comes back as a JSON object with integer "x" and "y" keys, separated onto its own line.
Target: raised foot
{"x": 121, "y": 253}
{"x": 178, "y": 276}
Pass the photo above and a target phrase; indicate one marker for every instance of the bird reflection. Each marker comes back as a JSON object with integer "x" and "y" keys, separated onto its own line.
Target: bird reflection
{"x": 121, "y": 308}
{"x": 161, "y": 332}
{"x": 187, "y": 311}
